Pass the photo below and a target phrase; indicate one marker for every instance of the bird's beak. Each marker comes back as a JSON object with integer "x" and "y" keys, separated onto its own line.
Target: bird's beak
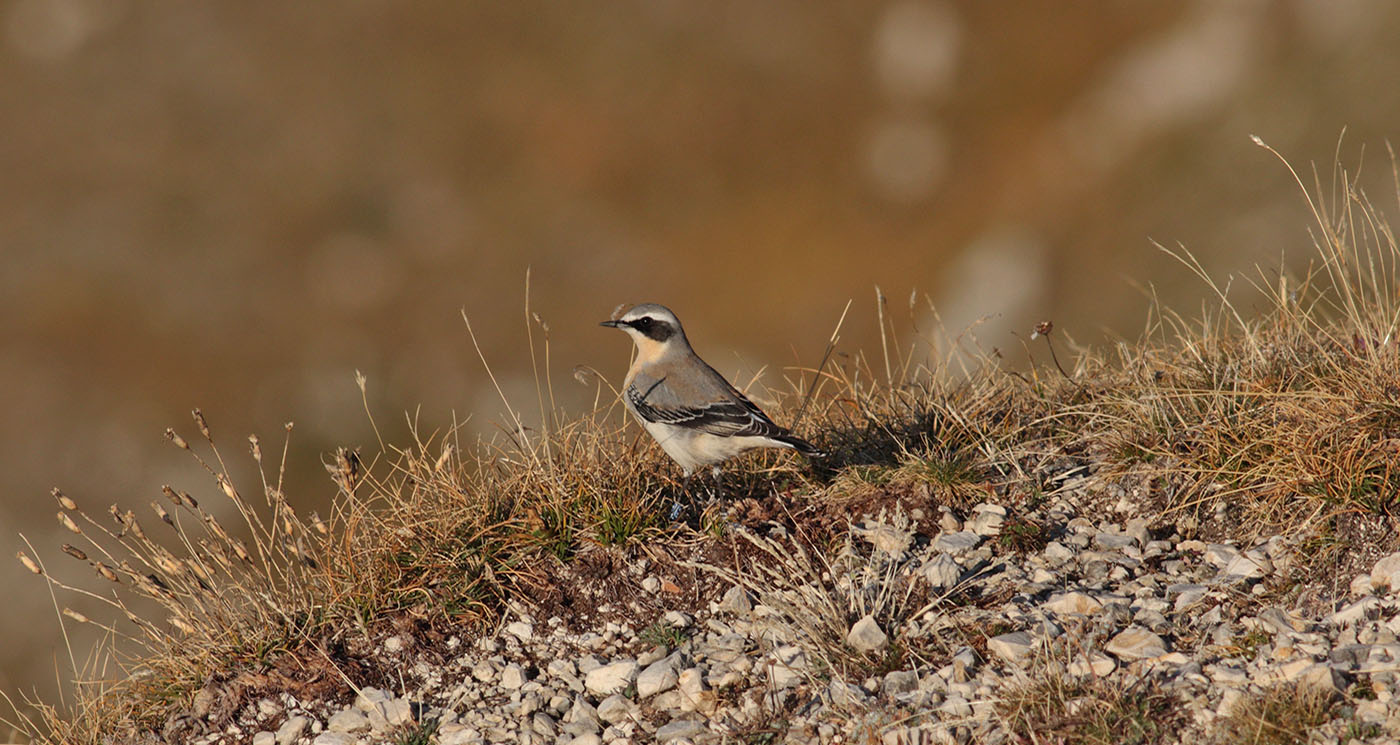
{"x": 612, "y": 324}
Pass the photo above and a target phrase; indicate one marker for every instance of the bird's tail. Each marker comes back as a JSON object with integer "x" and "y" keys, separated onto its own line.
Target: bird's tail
{"x": 800, "y": 445}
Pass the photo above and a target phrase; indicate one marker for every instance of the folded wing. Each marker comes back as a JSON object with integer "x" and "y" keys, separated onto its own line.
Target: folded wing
{"x": 726, "y": 412}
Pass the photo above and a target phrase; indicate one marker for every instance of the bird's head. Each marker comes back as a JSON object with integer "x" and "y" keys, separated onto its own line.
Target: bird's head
{"x": 654, "y": 328}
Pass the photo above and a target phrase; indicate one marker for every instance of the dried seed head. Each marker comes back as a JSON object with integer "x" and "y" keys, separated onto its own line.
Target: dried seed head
{"x": 116, "y": 514}
{"x": 242, "y": 551}
{"x": 63, "y": 499}
{"x": 181, "y": 625}
{"x": 227, "y": 486}
{"x": 171, "y": 566}
{"x": 170, "y": 494}
{"x": 318, "y": 524}
{"x": 199, "y": 422}
{"x": 135, "y": 526}
{"x": 1043, "y": 329}
{"x": 164, "y": 516}
{"x": 345, "y": 469}
{"x": 220, "y": 555}
{"x": 69, "y": 524}
{"x": 288, "y": 426}
{"x": 443, "y": 459}
{"x": 105, "y": 571}
{"x": 76, "y": 616}
{"x": 199, "y": 570}
{"x": 28, "y": 562}
{"x": 257, "y": 448}
{"x": 216, "y": 528}
{"x": 179, "y": 441}
{"x": 190, "y": 501}
{"x": 74, "y": 552}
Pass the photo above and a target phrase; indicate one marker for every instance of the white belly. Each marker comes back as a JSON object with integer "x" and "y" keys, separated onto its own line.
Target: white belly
{"x": 692, "y": 449}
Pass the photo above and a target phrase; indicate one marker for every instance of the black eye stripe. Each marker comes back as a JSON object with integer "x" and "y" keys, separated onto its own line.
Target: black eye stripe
{"x": 652, "y": 328}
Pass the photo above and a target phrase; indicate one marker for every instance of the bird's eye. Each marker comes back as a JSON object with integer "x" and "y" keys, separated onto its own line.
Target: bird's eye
{"x": 643, "y": 323}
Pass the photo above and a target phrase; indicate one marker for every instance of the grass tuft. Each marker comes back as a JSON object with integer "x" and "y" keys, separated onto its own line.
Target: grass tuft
{"x": 1283, "y": 715}
{"x": 1056, "y": 708}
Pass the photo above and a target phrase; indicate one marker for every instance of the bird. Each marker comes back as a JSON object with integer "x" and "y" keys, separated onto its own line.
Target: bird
{"x": 692, "y": 412}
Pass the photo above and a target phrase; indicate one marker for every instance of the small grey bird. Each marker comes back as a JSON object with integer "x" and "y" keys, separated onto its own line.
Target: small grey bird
{"x": 696, "y": 416}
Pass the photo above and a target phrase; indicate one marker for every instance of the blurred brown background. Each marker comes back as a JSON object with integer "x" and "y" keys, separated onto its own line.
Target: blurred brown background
{"x": 235, "y": 205}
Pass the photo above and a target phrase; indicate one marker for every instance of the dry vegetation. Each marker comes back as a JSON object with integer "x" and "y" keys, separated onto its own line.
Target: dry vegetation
{"x": 1287, "y": 422}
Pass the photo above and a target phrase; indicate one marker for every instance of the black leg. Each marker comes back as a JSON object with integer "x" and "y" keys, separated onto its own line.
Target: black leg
{"x": 687, "y": 484}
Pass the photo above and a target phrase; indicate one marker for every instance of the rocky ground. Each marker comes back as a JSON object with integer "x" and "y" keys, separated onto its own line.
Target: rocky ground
{"x": 912, "y": 623}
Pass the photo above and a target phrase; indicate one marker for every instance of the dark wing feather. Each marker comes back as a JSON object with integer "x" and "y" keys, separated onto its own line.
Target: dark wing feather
{"x": 732, "y": 416}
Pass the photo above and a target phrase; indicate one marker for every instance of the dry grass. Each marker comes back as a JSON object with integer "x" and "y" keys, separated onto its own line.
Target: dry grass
{"x": 1287, "y": 419}
{"x": 1282, "y": 715}
{"x": 1055, "y": 708}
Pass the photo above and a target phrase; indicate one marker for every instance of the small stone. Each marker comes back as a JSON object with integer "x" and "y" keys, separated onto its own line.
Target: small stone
{"x": 610, "y": 679}
{"x": 1072, "y": 604}
{"x": 942, "y": 572}
{"x": 1250, "y": 564}
{"x": 866, "y": 635}
{"x": 561, "y": 668}
{"x": 457, "y": 734}
{"x": 370, "y": 698}
{"x": 677, "y": 620}
{"x": 291, "y": 730}
{"x": 521, "y": 630}
{"x": 513, "y": 677}
{"x": 681, "y": 728}
{"x": 1097, "y": 665}
{"x": 583, "y": 712}
{"x": 886, "y": 538}
{"x": 790, "y": 667}
{"x": 484, "y": 672}
{"x": 265, "y": 738}
{"x": 652, "y": 655}
{"x": 1057, "y": 553}
{"x": 1136, "y": 643}
{"x": 335, "y": 738}
{"x": 613, "y": 709}
{"x": 987, "y": 519}
{"x": 659, "y": 676}
{"x": 736, "y": 600}
{"x": 956, "y": 707}
{"x": 956, "y": 543}
{"x": 1011, "y": 647}
{"x": 394, "y": 644}
{"x": 1187, "y": 595}
{"x": 695, "y": 695}
{"x": 543, "y": 725}
{"x": 348, "y": 720}
{"x": 843, "y": 694}
{"x": 1385, "y": 575}
{"x": 1322, "y": 676}
{"x": 1356, "y": 611}
{"x": 900, "y": 681}
{"x": 588, "y": 663}
{"x": 1220, "y": 555}
{"x": 588, "y": 738}
{"x": 1113, "y": 541}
